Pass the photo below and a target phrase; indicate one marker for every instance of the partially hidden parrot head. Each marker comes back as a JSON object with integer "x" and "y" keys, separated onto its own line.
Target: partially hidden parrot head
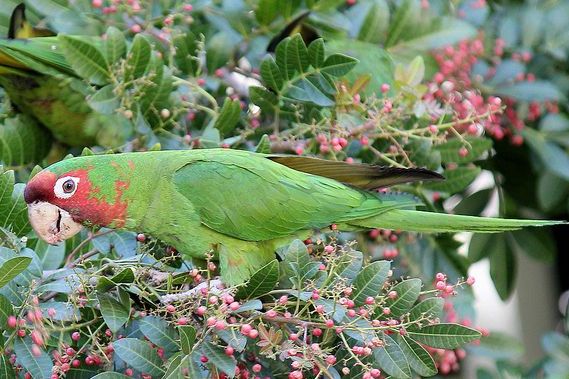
{"x": 73, "y": 193}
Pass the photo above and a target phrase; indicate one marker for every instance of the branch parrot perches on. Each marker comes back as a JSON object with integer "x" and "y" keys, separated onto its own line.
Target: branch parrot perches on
{"x": 239, "y": 205}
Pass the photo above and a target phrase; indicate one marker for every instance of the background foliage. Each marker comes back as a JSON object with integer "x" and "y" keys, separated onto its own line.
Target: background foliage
{"x": 404, "y": 83}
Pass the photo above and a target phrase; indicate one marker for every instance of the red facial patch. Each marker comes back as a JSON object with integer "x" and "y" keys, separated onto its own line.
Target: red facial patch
{"x": 86, "y": 204}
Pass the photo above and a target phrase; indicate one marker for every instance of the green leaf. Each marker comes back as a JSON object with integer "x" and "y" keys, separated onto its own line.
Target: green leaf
{"x": 7, "y": 371}
{"x": 444, "y": 336}
{"x": 156, "y": 92}
{"x": 375, "y": 23}
{"x": 51, "y": 256}
{"x": 536, "y": 243}
{"x": 410, "y": 75}
{"x": 39, "y": 367}
{"x": 456, "y": 180}
{"x": 250, "y": 305}
{"x": 316, "y": 53}
{"x": 418, "y": 358}
{"x": 125, "y": 276}
{"x": 475, "y": 203}
{"x": 85, "y": 59}
{"x": 407, "y": 294}
{"x": 104, "y": 100}
{"x": 267, "y": 11}
{"x": 12, "y": 268}
{"x": 348, "y": 266}
{"x": 138, "y": 58}
{"x": 110, "y": 375}
{"x": 405, "y": 16}
{"x": 6, "y": 310}
{"x": 485, "y": 245}
{"x": 115, "y": 45}
{"x": 391, "y": 359}
{"x": 139, "y": 355}
{"x": 271, "y": 74}
{"x": 228, "y": 116}
{"x": 233, "y": 337}
{"x": 23, "y": 141}
{"x": 552, "y": 156}
{"x": 13, "y": 208}
{"x": 297, "y": 55}
{"x": 551, "y": 191}
{"x": 261, "y": 282}
{"x": 219, "y": 359}
{"x": 503, "y": 270}
{"x": 187, "y": 338}
{"x": 446, "y": 31}
{"x": 373, "y": 62}
{"x": 264, "y": 145}
{"x": 370, "y": 281}
{"x": 264, "y": 99}
{"x": 185, "y": 58}
{"x": 476, "y": 147}
{"x": 338, "y": 64}
{"x": 176, "y": 367}
{"x": 539, "y": 90}
{"x": 498, "y": 345}
{"x": 159, "y": 332}
{"x": 114, "y": 313}
{"x": 307, "y": 90}
{"x": 431, "y": 308}
{"x": 298, "y": 265}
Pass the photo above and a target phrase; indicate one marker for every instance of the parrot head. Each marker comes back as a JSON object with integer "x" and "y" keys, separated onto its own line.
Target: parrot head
{"x": 71, "y": 194}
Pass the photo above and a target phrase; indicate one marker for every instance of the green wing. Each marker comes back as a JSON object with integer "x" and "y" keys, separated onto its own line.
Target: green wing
{"x": 41, "y": 55}
{"x": 250, "y": 197}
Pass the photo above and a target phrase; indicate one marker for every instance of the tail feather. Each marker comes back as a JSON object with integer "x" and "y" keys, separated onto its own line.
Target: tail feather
{"x": 430, "y": 222}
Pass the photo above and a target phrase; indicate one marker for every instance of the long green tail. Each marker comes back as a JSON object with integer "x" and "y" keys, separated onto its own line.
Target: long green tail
{"x": 431, "y": 222}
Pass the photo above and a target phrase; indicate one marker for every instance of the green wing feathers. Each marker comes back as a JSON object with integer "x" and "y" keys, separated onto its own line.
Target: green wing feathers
{"x": 430, "y": 222}
{"x": 359, "y": 175}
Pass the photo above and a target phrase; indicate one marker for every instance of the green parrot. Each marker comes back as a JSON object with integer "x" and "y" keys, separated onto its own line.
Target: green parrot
{"x": 41, "y": 84}
{"x": 240, "y": 206}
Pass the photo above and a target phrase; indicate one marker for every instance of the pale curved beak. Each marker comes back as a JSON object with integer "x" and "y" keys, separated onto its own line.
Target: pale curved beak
{"x": 51, "y": 223}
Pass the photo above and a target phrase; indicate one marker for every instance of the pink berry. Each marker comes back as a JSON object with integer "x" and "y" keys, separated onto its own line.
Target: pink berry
{"x": 182, "y": 321}
{"x": 370, "y": 300}
{"x": 329, "y": 323}
{"x": 463, "y": 152}
{"x": 317, "y": 332}
{"x": 257, "y": 368}
{"x": 385, "y": 88}
{"x": 330, "y": 359}
{"x": 97, "y": 3}
{"x": 470, "y": 281}
{"x": 293, "y": 337}
{"x": 229, "y": 350}
{"x": 271, "y": 313}
{"x": 12, "y": 322}
{"x": 140, "y": 237}
{"x": 246, "y": 329}
{"x": 433, "y": 129}
{"x": 440, "y": 285}
{"x": 254, "y": 333}
{"x": 136, "y": 28}
{"x": 328, "y": 249}
{"x": 75, "y": 336}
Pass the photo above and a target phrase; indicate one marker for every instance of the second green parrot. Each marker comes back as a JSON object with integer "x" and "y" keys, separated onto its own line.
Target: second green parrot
{"x": 238, "y": 205}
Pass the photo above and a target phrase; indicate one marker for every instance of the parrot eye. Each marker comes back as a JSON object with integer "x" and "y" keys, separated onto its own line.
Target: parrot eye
{"x": 65, "y": 187}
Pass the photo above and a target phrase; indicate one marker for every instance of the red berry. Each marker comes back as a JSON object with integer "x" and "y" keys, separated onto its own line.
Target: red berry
{"x": 140, "y": 237}
{"x": 229, "y": 350}
{"x": 12, "y": 322}
{"x": 75, "y": 336}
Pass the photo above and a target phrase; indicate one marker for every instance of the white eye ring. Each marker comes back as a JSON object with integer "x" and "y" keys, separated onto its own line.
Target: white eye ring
{"x": 65, "y": 187}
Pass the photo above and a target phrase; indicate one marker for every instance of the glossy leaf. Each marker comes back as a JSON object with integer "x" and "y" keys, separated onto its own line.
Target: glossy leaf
{"x": 114, "y": 313}
{"x": 444, "y": 336}
{"x": 39, "y": 367}
{"x": 115, "y": 45}
{"x": 418, "y": 358}
{"x": 431, "y": 308}
{"x": 187, "y": 338}
{"x": 261, "y": 282}
{"x": 12, "y": 268}
{"x": 370, "y": 281}
{"x": 391, "y": 359}
{"x": 503, "y": 271}
{"x": 23, "y": 141}
{"x": 229, "y": 115}
{"x": 159, "y": 332}
{"x": 407, "y": 294}
{"x": 139, "y": 355}
{"x": 86, "y": 59}
{"x": 219, "y": 359}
